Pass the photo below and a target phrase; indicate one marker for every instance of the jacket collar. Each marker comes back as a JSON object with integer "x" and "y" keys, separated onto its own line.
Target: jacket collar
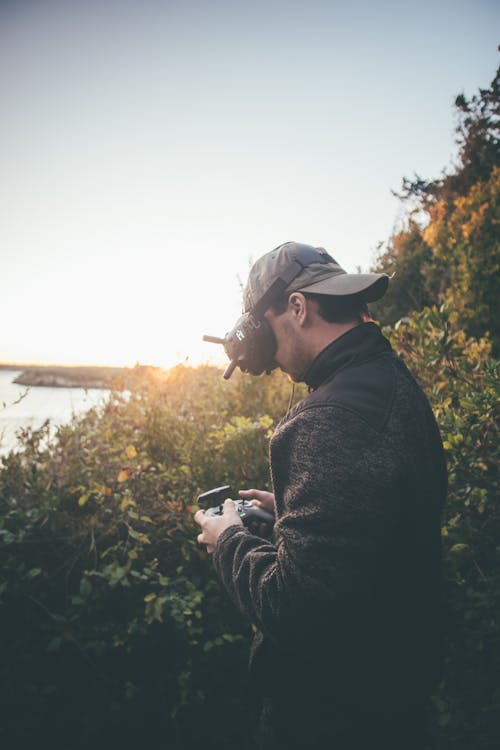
{"x": 363, "y": 342}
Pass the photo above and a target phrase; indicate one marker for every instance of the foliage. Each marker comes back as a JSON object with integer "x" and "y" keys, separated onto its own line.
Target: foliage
{"x": 464, "y": 238}
{"x": 109, "y": 610}
{"x": 478, "y": 139}
{"x": 478, "y": 136}
{"x": 115, "y": 631}
{"x": 448, "y": 256}
{"x": 463, "y": 385}
{"x": 449, "y": 250}
{"x": 407, "y": 259}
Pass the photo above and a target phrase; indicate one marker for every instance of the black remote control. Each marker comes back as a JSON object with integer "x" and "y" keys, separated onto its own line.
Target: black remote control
{"x": 213, "y": 502}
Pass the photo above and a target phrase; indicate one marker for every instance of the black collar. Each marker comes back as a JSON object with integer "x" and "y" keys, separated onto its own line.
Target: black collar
{"x": 363, "y": 342}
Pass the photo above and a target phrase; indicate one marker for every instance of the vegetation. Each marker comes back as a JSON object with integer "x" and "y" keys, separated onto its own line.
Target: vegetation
{"x": 449, "y": 249}
{"x": 462, "y": 381}
{"x": 117, "y": 631}
{"x": 114, "y": 630}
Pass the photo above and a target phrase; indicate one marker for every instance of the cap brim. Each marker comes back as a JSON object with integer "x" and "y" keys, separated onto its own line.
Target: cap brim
{"x": 372, "y": 286}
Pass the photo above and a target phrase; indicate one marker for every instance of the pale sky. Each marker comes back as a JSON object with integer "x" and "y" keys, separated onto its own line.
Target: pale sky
{"x": 150, "y": 149}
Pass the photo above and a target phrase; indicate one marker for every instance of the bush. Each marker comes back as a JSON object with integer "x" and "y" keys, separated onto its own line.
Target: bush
{"x": 463, "y": 385}
{"x": 110, "y": 610}
{"x": 114, "y": 629}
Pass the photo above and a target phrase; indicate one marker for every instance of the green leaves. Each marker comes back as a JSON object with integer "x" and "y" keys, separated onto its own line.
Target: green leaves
{"x": 104, "y": 577}
{"x": 462, "y": 381}
{"x": 105, "y": 594}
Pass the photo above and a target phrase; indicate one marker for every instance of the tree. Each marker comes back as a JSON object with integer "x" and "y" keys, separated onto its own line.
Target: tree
{"x": 449, "y": 249}
{"x": 408, "y": 260}
{"x": 464, "y": 239}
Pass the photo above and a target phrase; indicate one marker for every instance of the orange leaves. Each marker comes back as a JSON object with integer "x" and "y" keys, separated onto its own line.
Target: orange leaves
{"x": 131, "y": 452}
{"x": 474, "y": 221}
{"x": 126, "y": 503}
{"x": 102, "y": 489}
{"x": 124, "y": 474}
{"x": 434, "y": 233}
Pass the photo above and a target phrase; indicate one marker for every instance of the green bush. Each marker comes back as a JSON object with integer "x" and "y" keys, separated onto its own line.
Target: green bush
{"x": 113, "y": 626}
{"x": 462, "y": 382}
{"x": 110, "y": 611}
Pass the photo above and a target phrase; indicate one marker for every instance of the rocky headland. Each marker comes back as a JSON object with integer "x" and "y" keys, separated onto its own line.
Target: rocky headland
{"x": 58, "y": 376}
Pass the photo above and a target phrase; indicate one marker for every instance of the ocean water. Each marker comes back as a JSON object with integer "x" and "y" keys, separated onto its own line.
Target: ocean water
{"x": 22, "y": 406}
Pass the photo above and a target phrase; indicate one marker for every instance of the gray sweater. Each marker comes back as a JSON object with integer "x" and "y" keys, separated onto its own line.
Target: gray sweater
{"x": 347, "y": 596}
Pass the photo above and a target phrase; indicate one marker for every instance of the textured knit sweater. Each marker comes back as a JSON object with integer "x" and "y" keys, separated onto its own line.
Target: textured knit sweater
{"x": 346, "y": 598}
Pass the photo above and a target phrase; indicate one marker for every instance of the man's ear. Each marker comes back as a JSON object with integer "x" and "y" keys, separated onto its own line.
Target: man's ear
{"x": 298, "y": 306}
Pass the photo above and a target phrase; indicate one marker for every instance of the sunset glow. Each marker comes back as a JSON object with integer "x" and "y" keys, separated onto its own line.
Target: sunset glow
{"x": 151, "y": 150}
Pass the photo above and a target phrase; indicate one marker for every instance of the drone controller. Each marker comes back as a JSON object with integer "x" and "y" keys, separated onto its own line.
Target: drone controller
{"x": 249, "y": 514}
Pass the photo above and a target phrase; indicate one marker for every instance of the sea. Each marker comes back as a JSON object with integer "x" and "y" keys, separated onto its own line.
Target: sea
{"x": 23, "y": 406}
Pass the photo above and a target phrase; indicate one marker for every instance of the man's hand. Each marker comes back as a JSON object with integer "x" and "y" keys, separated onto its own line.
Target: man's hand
{"x": 264, "y": 500}
{"x": 260, "y": 498}
{"x": 213, "y": 526}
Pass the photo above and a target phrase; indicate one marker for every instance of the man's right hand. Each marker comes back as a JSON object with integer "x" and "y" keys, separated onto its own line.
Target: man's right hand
{"x": 264, "y": 500}
{"x": 260, "y": 498}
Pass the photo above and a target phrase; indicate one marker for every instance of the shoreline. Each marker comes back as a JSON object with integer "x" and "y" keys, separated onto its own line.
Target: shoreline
{"x": 65, "y": 376}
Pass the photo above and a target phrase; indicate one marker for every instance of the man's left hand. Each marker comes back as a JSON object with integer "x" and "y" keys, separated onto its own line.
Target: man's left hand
{"x": 213, "y": 526}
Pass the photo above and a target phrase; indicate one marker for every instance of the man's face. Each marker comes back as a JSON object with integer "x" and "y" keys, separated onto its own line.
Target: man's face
{"x": 291, "y": 356}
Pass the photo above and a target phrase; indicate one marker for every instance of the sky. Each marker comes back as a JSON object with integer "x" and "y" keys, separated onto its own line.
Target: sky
{"x": 150, "y": 150}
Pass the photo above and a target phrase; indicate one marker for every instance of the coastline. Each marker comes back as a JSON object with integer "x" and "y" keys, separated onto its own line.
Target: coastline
{"x": 62, "y": 376}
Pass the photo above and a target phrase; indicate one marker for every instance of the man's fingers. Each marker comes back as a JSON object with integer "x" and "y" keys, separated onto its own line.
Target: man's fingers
{"x": 201, "y": 540}
{"x": 252, "y": 496}
{"x": 199, "y": 516}
{"x": 260, "y": 498}
{"x": 212, "y": 526}
{"x": 248, "y": 494}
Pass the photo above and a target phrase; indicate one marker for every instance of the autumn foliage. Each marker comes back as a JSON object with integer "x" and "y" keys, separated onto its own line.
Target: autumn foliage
{"x": 448, "y": 249}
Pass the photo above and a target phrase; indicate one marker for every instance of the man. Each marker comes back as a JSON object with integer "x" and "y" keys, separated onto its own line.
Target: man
{"x": 346, "y": 597}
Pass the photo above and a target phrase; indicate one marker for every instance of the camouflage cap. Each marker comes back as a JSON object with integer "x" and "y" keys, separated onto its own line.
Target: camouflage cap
{"x": 317, "y": 278}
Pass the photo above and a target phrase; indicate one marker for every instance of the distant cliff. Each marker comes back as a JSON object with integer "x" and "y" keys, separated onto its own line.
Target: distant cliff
{"x": 73, "y": 377}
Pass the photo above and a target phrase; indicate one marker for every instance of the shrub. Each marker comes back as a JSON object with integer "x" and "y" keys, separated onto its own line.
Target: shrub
{"x": 114, "y": 629}
{"x": 462, "y": 382}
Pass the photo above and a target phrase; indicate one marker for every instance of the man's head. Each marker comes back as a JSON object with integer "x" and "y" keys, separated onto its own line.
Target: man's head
{"x": 326, "y": 278}
{"x": 320, "y": 303}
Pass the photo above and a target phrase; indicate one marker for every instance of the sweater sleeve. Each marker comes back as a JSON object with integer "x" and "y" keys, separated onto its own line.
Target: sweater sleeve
{"x": 334, "y": 483}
